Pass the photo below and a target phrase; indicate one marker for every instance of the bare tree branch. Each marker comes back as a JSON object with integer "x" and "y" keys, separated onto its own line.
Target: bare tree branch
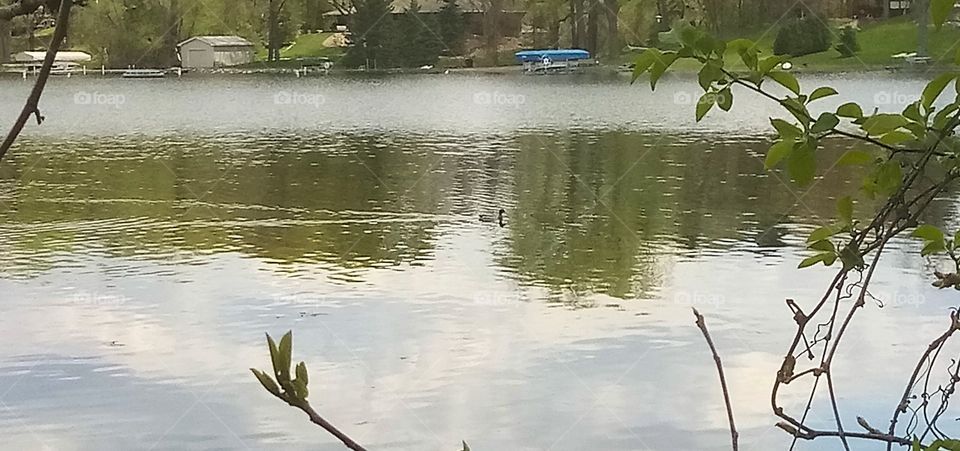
{"x": 315, "y": 418}
{"x": 702, "y": 325}
{"x": 810, "y": 434}
{"x": 933, "y": 346}
{"x": 32, "y": 105}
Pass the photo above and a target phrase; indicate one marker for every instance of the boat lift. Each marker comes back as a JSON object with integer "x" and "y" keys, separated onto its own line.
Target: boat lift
{"x": 551, "y": 61}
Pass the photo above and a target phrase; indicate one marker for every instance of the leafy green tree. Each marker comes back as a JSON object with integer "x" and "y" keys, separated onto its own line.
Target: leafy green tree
{"x": 132, "y": 32}
{"x": 225, "y": 17}
{"x": 638, "y": 22}
{"x": 284, "y": 19}
{"x": 6, "y": 48}
{"x": 492, "y": 16}
{"x": 546, "y": 16}
{"x": 146, "y": 32}
{"x": 612, "y": 43}
{"x": 274, "y": 21}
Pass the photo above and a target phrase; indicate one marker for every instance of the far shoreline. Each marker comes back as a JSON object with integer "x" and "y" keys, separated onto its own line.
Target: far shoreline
{"x": 505, "y": 70}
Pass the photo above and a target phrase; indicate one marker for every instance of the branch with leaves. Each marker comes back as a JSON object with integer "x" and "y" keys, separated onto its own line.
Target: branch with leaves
{"x": 908, "y": 159}
{"x": 294, "y": 391}
{"x": 32, "y": 105}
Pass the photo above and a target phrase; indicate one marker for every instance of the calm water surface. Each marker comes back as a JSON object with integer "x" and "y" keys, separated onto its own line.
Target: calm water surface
{"x": 154, "y": 230}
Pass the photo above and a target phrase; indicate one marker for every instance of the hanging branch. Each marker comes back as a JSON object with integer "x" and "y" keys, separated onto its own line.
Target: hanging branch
{"x": 702, "y": 325}
{"x": 32, "y": 108}
{"x": 914, "y": 159}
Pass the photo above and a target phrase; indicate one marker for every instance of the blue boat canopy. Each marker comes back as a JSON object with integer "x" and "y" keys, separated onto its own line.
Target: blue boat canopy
{"x": 529, "y": 56}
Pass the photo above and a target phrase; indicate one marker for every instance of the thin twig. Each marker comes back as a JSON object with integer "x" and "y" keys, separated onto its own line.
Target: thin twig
{"x": 836, "y": 411}
{"x": 933, "y": 346}
{"x": 810, "y": 434}
{"x": 31, "y": 107}
{"x": 734, "y": 435}
{"x": 818, "y": 370}
{"x": 315, "y": 418}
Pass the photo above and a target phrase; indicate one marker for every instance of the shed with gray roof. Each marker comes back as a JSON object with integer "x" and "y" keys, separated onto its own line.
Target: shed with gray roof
{"x": 215, "y": 51}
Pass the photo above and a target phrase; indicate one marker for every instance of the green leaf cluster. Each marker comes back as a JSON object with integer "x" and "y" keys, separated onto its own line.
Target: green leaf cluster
{"x": 796, "y": 145}
{"x": 294, "y": 391}
{"x": 827, "y": 252}
{"x": 939, "y": 11}
{"x": 937, "y": 445}
{"x": 907, "y": 141}
{"x": 935, "y": 241}
{"x": 895, "y": 142}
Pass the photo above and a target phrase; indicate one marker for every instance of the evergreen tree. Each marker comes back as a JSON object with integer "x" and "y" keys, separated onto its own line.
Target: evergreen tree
{"x": 373, "y": 35}
{"x": 802, "y": 37}
{"x": 419, "y": 39}
{"x": 451, "y": 27}
{"x": 848, "y": 45}
{"x": 313, "y": 14}
{"x": 428, "y": 42}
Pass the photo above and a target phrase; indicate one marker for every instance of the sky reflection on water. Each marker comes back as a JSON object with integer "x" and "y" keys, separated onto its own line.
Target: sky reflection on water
{"x": 148, "y": 246}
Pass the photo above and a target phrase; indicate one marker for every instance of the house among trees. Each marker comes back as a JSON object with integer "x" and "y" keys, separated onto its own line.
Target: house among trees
{"x": 860, "y": 9}
{"x": 510, "y": 17}
{"x": 215, "y": 51}
{"x": 894, "y": 8}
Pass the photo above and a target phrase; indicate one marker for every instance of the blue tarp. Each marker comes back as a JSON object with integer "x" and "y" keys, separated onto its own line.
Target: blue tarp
{"x": 529, "y": 56}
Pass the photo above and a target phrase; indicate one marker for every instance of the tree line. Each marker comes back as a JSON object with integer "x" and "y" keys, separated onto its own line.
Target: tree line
{"x": 145, "y": 32}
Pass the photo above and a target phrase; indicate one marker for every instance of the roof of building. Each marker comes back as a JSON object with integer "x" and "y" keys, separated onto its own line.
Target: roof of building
{"x": 220, "y": 41}
{"x": 432, "y": 6}
{"x": 428, "y": 6}
{"x": 70, "y": 57}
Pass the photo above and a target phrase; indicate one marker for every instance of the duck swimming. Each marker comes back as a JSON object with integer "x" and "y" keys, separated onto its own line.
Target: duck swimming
{"x": 499, "y": 219}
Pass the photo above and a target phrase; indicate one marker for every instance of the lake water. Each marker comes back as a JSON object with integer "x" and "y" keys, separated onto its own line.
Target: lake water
{"x": 153, "y": 230}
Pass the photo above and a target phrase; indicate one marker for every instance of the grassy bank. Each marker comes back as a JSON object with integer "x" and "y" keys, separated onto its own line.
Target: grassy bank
{"x": 311, "y": 46}
{"x": 306, "y": 46}
{"x": 879, "y": 41}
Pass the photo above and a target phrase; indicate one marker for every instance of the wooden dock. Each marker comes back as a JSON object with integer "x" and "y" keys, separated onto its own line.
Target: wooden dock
{"x": 29, "y": 71}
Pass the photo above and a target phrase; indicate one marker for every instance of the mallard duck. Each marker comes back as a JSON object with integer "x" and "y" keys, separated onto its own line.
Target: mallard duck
{"x": 498, "y": 219}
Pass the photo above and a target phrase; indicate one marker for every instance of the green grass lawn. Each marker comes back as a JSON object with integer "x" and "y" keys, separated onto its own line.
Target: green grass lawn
{"x": 306, "y": 46}
{"x": 311, "y": 45}
{"x": 44, "y": 33}
{"x": 878, "y": 43}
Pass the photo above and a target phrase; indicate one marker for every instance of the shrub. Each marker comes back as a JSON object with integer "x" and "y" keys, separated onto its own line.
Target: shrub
{"x": 848, "y": 45}
{"x": 802, "y": 37}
